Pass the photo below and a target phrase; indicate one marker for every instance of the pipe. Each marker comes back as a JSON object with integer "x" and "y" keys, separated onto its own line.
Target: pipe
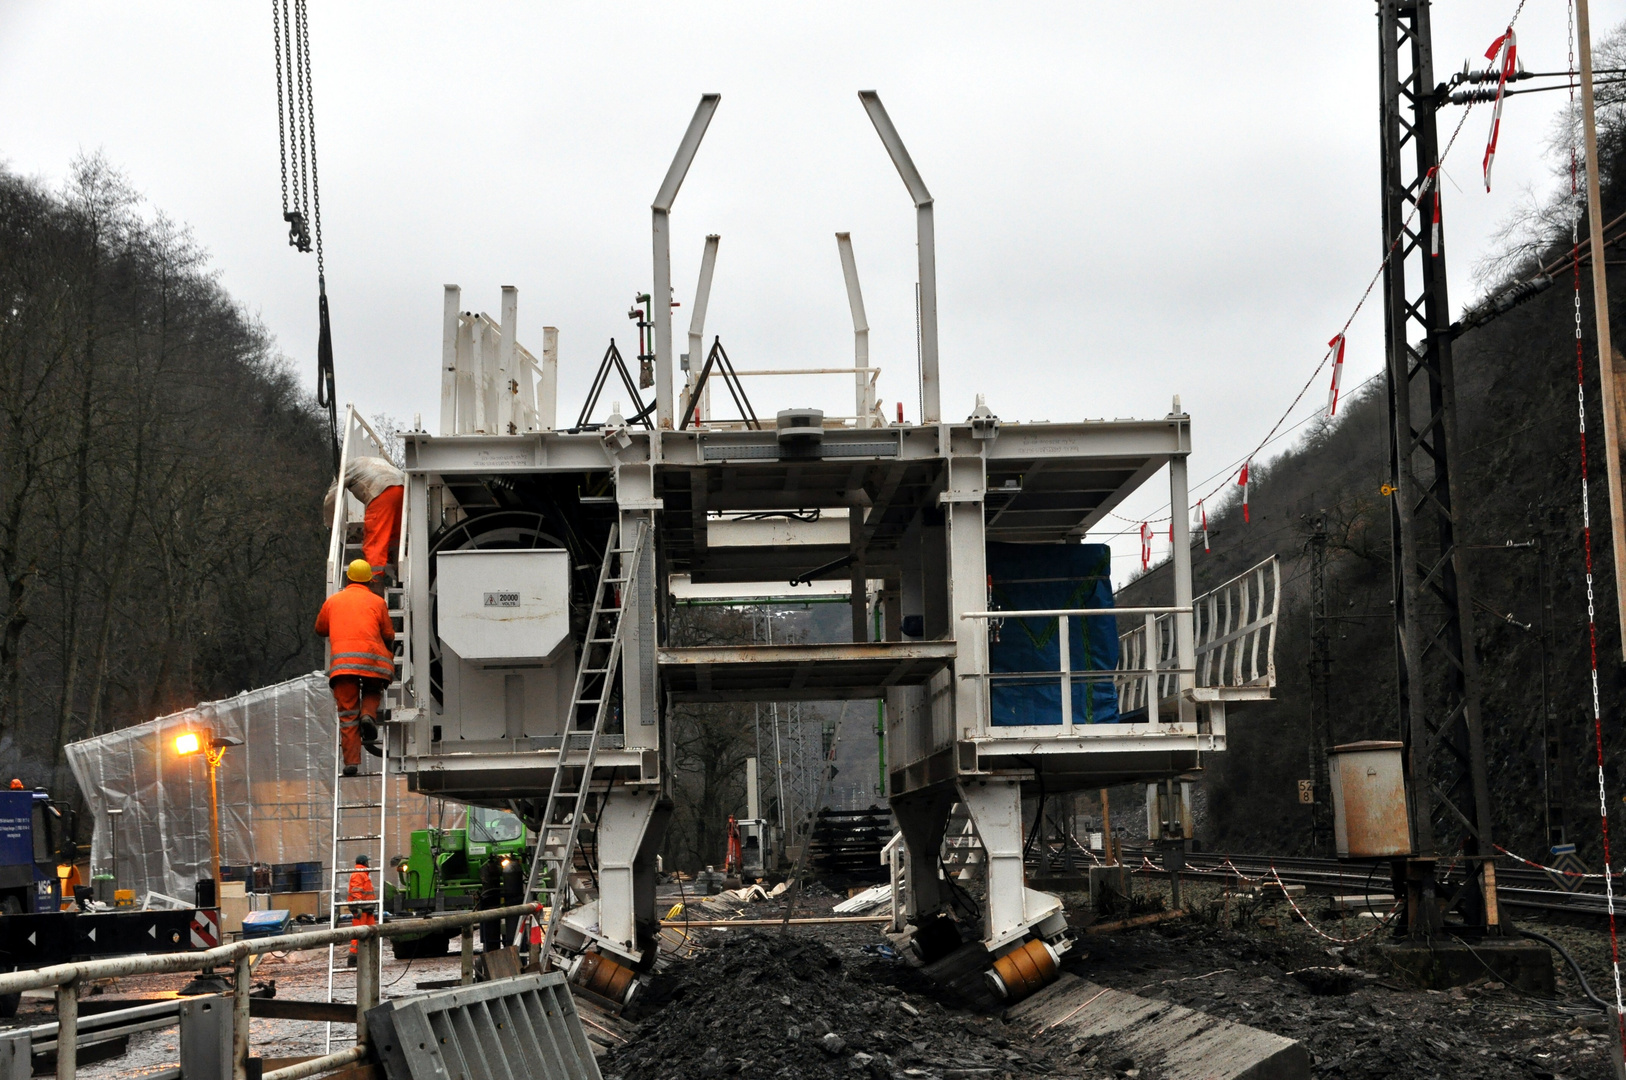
{"x": 822, "y": 921}
{"x": 930, "y": 411}
{"x": 318, "y": 1065}
{"x": 169, "y": 963}
{"x": 697, "y": 328}
{"x": 660, "y": 301}
{"x": 864, "y": 389}
{"x": 67, "y": 1032}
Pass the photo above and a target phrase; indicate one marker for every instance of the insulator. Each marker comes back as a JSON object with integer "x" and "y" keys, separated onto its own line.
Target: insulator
{"x": 1521, "y": 292}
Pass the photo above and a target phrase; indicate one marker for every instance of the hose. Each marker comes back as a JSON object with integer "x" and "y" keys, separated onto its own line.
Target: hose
{"x": 1586, "y": 988}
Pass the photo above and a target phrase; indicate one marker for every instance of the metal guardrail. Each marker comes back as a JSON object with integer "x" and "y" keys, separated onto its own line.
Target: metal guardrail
{"x": 68, "y": 978}
{"x": 1066, "y": 675}
{"x": 1235, "y": 630}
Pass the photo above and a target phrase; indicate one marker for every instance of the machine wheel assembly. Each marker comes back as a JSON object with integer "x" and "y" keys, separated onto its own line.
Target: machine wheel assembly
{"x": 604, "y": 977}
{"x": 1023, "y": 970}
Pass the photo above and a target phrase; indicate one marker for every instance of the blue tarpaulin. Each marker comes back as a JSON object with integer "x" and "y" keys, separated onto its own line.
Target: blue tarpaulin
{"x": 1027, "y": 577}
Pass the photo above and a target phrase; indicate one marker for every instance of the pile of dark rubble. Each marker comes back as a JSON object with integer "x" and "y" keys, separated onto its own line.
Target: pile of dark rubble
{"x": 763, "y": 1005}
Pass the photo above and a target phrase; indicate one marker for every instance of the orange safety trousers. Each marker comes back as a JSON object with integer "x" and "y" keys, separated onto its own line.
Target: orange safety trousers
{"x": 381, "y": 528}
{"x": 361, "y": 888}
{"x": 357, "y": 698}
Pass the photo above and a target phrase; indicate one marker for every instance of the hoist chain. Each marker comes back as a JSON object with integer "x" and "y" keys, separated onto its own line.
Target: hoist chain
{"x": 282, "y": 132}
{"x": 313, "y": 189}
{"x": 291, "y": 39}
{"x": 296, "y": 139}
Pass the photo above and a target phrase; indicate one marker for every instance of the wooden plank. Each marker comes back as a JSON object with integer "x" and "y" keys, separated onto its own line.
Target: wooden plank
{"x": 501, "y": 964}
{"x": 1139, "y": 920}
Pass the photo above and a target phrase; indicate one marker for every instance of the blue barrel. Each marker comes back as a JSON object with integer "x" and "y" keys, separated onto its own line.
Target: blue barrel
{"x": 310, "y": 876}
{"x": 285, "y": 877}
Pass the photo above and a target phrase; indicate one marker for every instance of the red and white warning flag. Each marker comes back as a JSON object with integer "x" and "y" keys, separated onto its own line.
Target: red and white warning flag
{"x": 1203, "y": 510}
{"x": 1242, "y": 482}
{"x": 1145, "y": 546}
{"x": 1434, "y": 246}
{"x": 1337, "y": 347}
{"x": 1509, "y": 51}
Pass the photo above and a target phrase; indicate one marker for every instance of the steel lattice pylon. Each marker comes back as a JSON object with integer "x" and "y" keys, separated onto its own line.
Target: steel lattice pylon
{"x": 1438, "y": 674}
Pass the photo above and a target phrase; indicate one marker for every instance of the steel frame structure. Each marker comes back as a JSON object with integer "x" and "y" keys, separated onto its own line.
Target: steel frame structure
{"x": 1437, "y": 671}
{"x": 907, "y": 511}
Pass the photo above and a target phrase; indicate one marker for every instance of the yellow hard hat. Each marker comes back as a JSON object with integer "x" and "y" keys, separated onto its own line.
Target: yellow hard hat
{"x": 360, "y": 570}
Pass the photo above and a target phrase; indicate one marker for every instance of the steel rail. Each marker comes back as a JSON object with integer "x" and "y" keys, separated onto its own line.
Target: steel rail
{"x": 1519, "y": 886}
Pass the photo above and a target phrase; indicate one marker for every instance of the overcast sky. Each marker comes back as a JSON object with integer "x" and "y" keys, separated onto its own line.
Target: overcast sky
{"x": 1133, "y": 201}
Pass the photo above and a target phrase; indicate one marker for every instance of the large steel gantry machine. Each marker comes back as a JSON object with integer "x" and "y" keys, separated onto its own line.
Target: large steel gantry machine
{"x": 537, "y": 581}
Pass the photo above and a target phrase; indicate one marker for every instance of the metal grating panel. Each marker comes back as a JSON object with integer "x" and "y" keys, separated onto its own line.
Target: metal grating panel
{"x": 526, "y": 1026}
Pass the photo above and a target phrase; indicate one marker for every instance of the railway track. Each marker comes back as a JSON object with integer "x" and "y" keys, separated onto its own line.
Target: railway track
{"x": 1517, "y": 886}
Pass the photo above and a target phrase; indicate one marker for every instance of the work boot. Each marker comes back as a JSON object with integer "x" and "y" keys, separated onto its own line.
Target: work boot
{"x": 352, "y": 961}
{"x": 351, "y": 770}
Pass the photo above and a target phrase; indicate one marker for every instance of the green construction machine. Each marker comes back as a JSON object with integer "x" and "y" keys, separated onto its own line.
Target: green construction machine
{"x": 443, "y": 873}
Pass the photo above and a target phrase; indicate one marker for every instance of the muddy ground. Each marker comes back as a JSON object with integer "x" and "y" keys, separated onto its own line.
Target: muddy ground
{"x": 831, "y": 1002}
{"x": 835, "y": 1001}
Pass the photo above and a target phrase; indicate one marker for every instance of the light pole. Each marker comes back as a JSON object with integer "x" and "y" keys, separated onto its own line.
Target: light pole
{"x": 186, "y": 744}
{"x": 189, "y": 743}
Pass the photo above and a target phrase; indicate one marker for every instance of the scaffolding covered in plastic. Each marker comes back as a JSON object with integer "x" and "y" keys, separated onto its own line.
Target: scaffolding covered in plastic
{"x": 276, "y": 790}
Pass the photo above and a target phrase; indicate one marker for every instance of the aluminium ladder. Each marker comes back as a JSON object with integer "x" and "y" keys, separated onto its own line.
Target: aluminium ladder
{"x": 602, "y": 648}
{"x": 360, "y": 802}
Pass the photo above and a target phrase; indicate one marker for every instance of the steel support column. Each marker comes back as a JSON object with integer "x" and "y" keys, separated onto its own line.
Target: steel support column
{"x": 1438, "y": 675}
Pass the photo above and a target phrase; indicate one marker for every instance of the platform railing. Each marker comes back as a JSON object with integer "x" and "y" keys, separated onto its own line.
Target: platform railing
{"x": 1148, "y": 675}
{"x": 67, "y": 979}
{"x": 1235, "y": 629}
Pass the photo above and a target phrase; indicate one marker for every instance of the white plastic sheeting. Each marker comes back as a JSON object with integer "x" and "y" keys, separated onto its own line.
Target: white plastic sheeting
{"x": 276, "y": 789}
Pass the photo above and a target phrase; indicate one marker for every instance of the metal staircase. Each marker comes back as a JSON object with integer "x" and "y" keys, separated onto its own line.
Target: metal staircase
{"x": 583, "y": 730}
{"x": 962, "y": 849}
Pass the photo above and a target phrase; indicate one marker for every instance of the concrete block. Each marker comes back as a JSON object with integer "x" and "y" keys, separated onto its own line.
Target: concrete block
{"x": 1164, "y": 1040}
{"x": 1440, "y": 965}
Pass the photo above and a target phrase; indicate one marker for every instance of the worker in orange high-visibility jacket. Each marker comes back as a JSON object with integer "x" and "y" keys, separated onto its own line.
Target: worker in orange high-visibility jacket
{"x": 377, "y": 485}
{"x": 361, "y": 659}
{"x": 361, "y": 890}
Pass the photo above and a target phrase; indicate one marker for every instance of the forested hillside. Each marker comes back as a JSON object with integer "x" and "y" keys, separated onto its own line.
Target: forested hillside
{"x": 1519, "y": 480}
{"x": 160, "y": 476}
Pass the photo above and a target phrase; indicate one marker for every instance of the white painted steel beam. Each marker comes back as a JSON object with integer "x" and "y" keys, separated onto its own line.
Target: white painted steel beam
{"x": 660, "y": 301}
{"x": 864, "y": 387}
{"x": 1185, "y": 639}
{"x": 931, "y": 411}
{"x": 547, "y": 390}
{"x": 448, "y": 360}
{"x": 697, "y": 330}
{"x": 506, "y": 421}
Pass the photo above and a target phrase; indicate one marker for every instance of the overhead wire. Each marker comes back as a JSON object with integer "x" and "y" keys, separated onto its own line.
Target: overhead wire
{"x": 1394, "y": 245}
